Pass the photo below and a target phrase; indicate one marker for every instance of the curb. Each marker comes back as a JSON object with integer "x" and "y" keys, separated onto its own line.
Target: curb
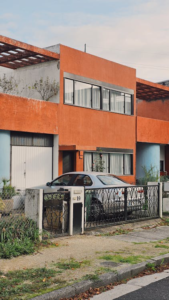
{"x": 104, "y": 279}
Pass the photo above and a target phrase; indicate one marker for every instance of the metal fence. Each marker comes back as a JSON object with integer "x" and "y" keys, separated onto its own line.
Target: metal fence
{"x": 111, "y": 206}
{"x": 56, "y": 212}
{"x": 12, "y": 212}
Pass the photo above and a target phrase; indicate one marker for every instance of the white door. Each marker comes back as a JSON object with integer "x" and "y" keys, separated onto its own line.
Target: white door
{"x": 31, "y": 166}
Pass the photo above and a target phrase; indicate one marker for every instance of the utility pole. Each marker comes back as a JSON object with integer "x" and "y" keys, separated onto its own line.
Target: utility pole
{"x": 84, "y": 47}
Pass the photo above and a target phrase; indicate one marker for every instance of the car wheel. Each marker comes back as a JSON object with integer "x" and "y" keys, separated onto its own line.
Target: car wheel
{"x": 97, "y": 211}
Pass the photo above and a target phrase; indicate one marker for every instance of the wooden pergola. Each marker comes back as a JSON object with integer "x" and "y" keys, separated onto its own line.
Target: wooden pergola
{"x": 15, "y": 54}
{"x": 149, "y": 91}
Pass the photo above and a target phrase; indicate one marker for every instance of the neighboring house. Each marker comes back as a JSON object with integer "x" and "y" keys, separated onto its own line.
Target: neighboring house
{"x": 93, "y": 114}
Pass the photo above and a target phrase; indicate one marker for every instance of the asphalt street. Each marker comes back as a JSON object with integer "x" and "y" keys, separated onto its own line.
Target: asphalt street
{"x": 155, "y": 291}
{"x": 150, "y": 287}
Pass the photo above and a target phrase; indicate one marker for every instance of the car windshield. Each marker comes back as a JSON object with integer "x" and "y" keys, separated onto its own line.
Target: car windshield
{"x": 110, "y": 180}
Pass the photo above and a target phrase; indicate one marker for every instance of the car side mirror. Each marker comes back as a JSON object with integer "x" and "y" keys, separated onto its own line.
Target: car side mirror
{"x": 48, "y": 184}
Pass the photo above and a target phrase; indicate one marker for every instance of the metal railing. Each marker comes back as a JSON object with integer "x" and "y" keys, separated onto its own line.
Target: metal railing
{"x": 108, "y": 206}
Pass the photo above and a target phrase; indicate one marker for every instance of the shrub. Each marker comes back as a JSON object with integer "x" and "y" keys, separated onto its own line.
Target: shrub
{"x": 17, "y": 236}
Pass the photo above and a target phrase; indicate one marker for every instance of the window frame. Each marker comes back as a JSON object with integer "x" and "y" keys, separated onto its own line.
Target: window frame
{"x": 109, "y": 154}
{"x": 101, "y": 87}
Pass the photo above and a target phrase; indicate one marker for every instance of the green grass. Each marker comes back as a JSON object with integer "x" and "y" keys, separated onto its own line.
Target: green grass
{"x": 116, "y": 232}
{"x": 151, "y": 266}
{"x": 161, "y": 246}
{"x": 16, "y": 284}
{"x": 91, "y": 277}
{"x": 71, "y": 264}
{"x": 134, "y": 259}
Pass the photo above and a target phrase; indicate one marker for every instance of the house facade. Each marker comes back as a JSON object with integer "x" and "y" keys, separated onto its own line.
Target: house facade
{"x": 63, "y": 109}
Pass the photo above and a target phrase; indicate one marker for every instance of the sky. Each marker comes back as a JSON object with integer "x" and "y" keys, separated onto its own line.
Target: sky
{"x": 130, "y": 32}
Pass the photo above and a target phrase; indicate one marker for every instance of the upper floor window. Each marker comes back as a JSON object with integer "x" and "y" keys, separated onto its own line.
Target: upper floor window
{"x": 83, "y": 94}
{"x": 69, "y": 91}
{"x": 97, "y": 97}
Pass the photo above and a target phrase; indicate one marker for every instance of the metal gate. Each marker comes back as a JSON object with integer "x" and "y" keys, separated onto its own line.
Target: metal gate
{"x": 112, "y": 206}
{"x": 56, "y": 212}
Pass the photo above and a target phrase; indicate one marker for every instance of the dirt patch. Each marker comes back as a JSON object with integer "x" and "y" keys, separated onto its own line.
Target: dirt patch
{"x": 90, "y": 247}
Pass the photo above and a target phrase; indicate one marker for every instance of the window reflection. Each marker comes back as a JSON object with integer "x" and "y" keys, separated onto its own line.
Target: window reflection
{"x": 83, "y": 93}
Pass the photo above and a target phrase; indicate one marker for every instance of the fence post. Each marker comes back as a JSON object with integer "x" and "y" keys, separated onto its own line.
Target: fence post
{"x": 125, "y": 203}
{"x": 160, "y": 186}
{"x": 40, "y": 219}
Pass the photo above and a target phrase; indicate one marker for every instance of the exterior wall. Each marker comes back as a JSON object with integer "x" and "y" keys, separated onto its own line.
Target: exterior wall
{"x": 83, "y": 126}
{"x": 152, "y": 131}
{"x": 155, "y": 109}
{"x": 167, "y": 159}
{"x": 22, "y": 114}
{"x": 147, "y": 155}
{"x": 4, "y": 155}
{"x": 27, "y": 76}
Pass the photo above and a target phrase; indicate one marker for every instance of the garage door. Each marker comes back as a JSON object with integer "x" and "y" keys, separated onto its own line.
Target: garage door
{"x": 31, "y": 166}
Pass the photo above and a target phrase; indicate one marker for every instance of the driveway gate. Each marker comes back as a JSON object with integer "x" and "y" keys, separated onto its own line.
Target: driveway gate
{"x": 56, "y": 212}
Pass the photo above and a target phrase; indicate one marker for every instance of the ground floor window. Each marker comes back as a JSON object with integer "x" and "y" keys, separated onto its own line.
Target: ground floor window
{"x": 114, "y": 163}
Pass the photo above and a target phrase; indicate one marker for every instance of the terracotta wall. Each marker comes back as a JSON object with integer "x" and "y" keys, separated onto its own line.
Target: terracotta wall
{"x": 88, "y": 127}
{"x": 152, "y": 131}
{"x": 22, "y": 114}
{"x": 155, "y": 109}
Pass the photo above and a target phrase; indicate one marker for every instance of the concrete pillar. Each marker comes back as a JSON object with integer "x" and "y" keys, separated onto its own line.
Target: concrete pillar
{"x": 55, "y": 155}
{"x": 147, "y": 155}
{"x": 4, "y": 154}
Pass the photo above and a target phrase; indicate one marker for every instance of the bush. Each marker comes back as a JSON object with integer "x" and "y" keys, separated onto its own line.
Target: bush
{"x": 17, "y": 236}
{"x": 150, "y": 175}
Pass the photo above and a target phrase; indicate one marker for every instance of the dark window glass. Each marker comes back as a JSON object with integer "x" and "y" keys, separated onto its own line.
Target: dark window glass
{"x": 31, "y": 139}
{"x": 68, "y": 91}
{"x": 161, "y": 165}
{"x": 82, "y": 180}
{"x": 83, "y": 94}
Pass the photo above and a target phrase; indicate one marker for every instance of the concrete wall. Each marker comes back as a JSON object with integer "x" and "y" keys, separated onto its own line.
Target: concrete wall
{"x": 4, "y": 155}
{"x": 27, "y": 76}
{"x": 147, "y": 155}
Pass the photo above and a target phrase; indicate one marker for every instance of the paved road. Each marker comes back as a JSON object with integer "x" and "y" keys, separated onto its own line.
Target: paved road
{"x": 150, "y": 287}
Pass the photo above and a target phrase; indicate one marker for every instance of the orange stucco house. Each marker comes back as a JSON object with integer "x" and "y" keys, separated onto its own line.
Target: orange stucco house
{"x": 94, "y": 108}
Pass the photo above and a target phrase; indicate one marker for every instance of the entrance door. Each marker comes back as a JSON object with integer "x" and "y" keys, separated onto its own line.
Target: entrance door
{"x": 68, "y": 161}
{"x": 31, "y": 166}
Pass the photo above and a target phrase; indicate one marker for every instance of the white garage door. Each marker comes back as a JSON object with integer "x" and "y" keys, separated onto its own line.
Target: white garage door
{"x": 31, "y": 166}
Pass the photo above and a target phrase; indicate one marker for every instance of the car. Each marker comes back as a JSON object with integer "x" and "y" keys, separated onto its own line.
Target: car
{"x": 105, "y": 194}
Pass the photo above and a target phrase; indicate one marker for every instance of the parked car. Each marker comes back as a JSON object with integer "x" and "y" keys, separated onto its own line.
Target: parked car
{"x": 104, "y": 193}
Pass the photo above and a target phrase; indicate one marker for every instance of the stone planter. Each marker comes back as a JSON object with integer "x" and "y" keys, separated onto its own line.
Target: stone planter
{"x": 8, "y": 206}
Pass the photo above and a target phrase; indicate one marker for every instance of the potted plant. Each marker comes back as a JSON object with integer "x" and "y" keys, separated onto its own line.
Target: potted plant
{"x": 8, "y": 191}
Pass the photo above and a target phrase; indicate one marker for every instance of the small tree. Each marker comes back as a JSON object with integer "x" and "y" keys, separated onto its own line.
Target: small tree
{"x": 8, "y": 84}
{"x": 46, "y": 88}
{"x": 98, "y": 165}
{"x": 150, "y": 175}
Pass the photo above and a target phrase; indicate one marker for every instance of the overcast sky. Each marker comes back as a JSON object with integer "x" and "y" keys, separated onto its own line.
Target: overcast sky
{"x": 131, "y": 32}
